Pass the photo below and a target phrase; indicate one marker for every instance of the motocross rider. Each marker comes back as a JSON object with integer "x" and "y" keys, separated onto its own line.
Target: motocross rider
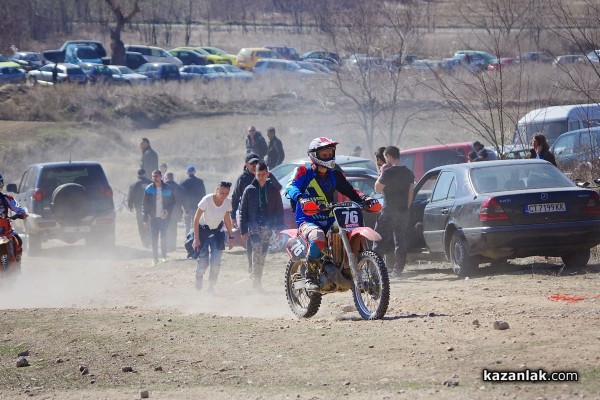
{"x": 310, "y": 187}
{"x": 8, "y": 202}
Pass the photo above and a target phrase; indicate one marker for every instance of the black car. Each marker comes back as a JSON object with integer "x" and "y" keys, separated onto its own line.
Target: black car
{"x": 190, "y": 57}
{"x": 67, "y": 201}
{"x": 134, "y": 60}
{"x": 97, "y": 73}
{"x": 497, "y": 210}
{"x": 28, "y": 59}
{"x": 160, "y": 71}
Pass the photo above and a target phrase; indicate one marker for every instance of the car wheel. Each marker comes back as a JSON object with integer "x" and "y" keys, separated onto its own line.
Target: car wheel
{"x": 33, "y": 81}
{"x": 463, "y": 264}
{"x": 577, "y": 260}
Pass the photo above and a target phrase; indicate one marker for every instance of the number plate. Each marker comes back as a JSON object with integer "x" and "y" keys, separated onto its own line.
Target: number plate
{"x": 76, "y": 229}
{"x": 545, "y": 208}
{"x": 348, "y": 217}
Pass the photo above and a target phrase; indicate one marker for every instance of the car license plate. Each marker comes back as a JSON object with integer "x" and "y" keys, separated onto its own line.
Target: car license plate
{"x": 76, "y": 229}
{"x": 545, "y": 208}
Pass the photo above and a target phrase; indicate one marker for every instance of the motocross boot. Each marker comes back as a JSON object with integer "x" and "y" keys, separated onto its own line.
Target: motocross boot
{"x": 312, "y": 274}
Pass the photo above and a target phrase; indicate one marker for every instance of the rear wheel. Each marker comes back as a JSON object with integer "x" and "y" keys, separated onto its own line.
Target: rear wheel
{"x": 373, "y": 298}
{"x": 463, "y": 264}
{"x": 303, "y": 303}
{"x": 577, "y": 259}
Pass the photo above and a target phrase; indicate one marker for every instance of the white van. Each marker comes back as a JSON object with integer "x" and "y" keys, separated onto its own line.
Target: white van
{"x": 554, "y": 121}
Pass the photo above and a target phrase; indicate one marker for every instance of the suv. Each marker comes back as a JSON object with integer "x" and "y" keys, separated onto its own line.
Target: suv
{"x": 67, "y": 201}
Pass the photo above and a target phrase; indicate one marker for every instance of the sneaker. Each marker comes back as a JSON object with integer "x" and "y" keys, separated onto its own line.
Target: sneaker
{"x": 155, "y": 262}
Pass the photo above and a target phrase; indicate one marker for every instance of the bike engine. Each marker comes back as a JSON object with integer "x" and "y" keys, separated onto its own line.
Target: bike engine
{"x": 332, "y": 280}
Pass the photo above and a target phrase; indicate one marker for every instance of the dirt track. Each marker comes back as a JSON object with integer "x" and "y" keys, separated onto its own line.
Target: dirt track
{"x": 73, "y": 307}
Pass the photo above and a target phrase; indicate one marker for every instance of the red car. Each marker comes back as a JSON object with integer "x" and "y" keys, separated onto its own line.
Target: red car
{"x": 502, "y": 63}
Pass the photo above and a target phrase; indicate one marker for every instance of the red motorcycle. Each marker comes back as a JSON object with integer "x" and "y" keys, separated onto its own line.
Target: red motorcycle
{"x": 346, "y": 264}
{"x": 9, "y": 247}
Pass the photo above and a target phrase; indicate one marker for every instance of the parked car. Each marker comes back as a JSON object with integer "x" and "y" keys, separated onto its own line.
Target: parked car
{"x": 68, "y": 201}
{"x": 568, "y": 59}
{"x": 190, "y": 57}
{"x": 78, "y": 54}
{"x": 12, "y": 75}
{"x": 154, "y": 54}
{"x": 202, "y": 72}
{"x": 534, "y": 56}
{"x": 134, "y": 60}
{"x": 160, "y": 72}
{"x": 283, "y": 171}
{"x": 97, "y": 73}
{"x": 281, "y": 68}
{"x": 593, "y": 56}
{"x": 221, "y": 53}
{"x": 125, "y": 75}
{"x": 486, "y": 57}
{"x": 314, "y": 67}
{"x": 573, "y": 148}
{"x": 321, "y": 55}
{"x": 247, "y": 57}
{"x": 286, "y": 53}
{"x": 28, "y": 60}
{"x": 482, "y": 212}
{"x": 5, "y": 62}
{"x": 235, "y": 72}
{"x": 65, "y": 73}
{"x": 58, "y": 56}
{"x": 501, "y": 63}
{"x": 328, "y": 63}
{"x": 423, "y": 65}
{"x": 210, "y": 58}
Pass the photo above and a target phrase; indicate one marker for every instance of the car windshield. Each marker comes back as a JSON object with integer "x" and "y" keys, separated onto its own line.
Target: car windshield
{"x": 552, "y": 130}
{"x": 75, "y": 71}
{"x": 500, "y": 178}
{"x": 31, "y": 57}
{"x": 86, "y": 52}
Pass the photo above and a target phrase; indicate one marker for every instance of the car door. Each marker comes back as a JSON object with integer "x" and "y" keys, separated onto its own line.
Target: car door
{"x": 438, "y": 211}
{"x": 421, "y": 197}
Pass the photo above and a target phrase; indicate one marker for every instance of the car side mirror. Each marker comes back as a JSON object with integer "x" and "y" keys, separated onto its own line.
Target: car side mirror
{"x": 12, "y": 188}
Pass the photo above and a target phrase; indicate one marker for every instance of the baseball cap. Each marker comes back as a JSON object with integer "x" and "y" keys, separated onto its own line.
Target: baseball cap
{"x": 191, "y": 168}
{"x": 141, "y": 172}
{"x": 251, "y": 158}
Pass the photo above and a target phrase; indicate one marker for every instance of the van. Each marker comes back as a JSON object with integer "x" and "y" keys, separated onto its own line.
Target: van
{"x": 247, "y": 57}
{"x": 422, "y": 159}
{"x": 554, "y": 121}
{"x": 154, "y": 54}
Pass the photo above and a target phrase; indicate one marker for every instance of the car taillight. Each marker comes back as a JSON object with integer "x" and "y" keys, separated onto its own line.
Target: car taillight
{"x": 38, "y": 194}
{"x": 491, "y": 210}
{"x": 106, "y": 191}
{"x": 593, "y": 204}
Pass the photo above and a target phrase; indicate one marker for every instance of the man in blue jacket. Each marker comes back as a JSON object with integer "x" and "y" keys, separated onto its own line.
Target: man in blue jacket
{"x": 159, "y": 199}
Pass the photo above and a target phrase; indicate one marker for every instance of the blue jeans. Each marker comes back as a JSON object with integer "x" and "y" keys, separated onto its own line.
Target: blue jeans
{"x": 159, "y": 226}
{"x": 210, "y": 257}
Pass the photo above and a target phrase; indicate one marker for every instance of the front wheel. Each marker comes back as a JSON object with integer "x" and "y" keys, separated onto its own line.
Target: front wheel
{"x": 463, "y": 264}
{"x": 303, "y": 303}
{"x": 373, "y": 298}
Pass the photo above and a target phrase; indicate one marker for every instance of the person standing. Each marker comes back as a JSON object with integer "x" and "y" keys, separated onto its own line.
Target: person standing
{"x": 379, "y": 158}
{"x": 275, "y": 153}
{"x": 209, "y": 238}
{"x": 159, "y": 200}
{"x": 481, "y": 154}
{"x": 149, "y": 160}
{"x": 177, "y": 212}
{"x": 357, "y": 151}
{"x": 541, "y": 149}
{"x": 261, "y": 212}
{"x": 135, "y": 199}
{"x": 242, "y": 182}
{"x": 256, "y": 143}
{"x": 396, "y": 182}
{"x": 194, "y": 190}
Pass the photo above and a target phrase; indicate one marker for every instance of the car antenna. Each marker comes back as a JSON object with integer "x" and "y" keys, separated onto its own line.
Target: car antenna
{"x": 70, "y": 157}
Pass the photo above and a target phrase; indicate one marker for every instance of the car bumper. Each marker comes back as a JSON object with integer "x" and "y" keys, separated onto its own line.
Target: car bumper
{"x": 554, "y": 239}
{"x": 52, "y": 229}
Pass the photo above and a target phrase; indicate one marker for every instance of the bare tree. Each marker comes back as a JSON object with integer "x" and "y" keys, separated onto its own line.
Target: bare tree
{"x": 116, "y": 44}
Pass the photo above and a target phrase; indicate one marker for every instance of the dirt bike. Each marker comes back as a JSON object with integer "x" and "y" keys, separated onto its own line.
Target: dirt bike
{"x": 346, "y": 264}
{"x": 9, "y": 247}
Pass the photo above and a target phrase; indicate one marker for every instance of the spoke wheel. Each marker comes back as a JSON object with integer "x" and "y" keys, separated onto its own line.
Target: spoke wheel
{"x": 303, "y": 303}
{"x": 373, "y": 299}
{"x": 463, "y": 264}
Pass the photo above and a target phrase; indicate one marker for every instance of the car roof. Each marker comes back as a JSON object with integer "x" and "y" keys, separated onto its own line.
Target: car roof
{"x": 487, "y": 164}
{"x": 447, "y": 146}
{"x": 555, "y": 112}
{"x": 65, "y": 164}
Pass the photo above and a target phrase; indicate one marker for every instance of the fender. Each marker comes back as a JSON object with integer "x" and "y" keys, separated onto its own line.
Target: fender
{"x": 366, "y": 232}
{"x": 292, "y": 233}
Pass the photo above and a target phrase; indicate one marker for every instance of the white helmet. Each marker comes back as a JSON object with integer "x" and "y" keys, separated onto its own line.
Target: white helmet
{"x": 319, "y": 144}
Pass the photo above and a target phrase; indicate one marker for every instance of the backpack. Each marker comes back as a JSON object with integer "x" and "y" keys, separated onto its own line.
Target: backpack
{"x": 303, "y": 188}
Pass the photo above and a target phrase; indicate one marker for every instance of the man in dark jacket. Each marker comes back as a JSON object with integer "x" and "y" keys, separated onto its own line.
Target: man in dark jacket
{"x": 177, "y": 212}
{"x": 194, "y": 191}
{"x": 135, "y": 198}
{"x": 242, "y": 182}
{"x": 275, "y": 153}
{"x": 260, "y": 213}
{"x": 159, "y": 200}
{"x": 256, "y": 143}
{"x": 149, "y": 161}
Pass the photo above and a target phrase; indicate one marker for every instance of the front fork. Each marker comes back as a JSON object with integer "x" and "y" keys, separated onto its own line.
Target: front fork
{"x": 356, "y": 275}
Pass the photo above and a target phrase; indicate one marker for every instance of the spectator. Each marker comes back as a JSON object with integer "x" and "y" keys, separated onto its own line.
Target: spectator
{"x": 481, "y": 154}
{"x": 149, "y": 160}
{"x": 396, "y": 182}
{"x": 194, "y": 190}
{"x": 158, "y": 203}
{"x": 242, "y": 182}
{"x": 177, "y": 212}
{"x": 255, "y": 143}
{"x": 163, "y": 168}
{"x": 540, "y": 149}
{"x": 357, "y": 151}
{"x": 135, "y": 199}
{"x": 275, "y": 153}
{"x": 261, "y": 212}
{"x": 379, "y": 158}
{"x": 209, "y": 238}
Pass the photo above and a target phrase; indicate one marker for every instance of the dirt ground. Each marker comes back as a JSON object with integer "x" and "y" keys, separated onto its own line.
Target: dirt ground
{"x": 73, "y": 307}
